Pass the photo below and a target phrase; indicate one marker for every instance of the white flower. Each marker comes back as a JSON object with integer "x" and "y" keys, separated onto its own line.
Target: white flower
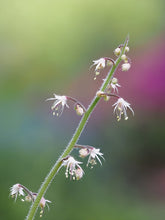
{"x": 43, "y": 203}
{"x": 16, "y": 190}
{"x": 121, "y": 108}
{"x": 93, "y": 155}
{"x": 73, "y": 168}
{"x": 59, "y": 104}
{"x": 114, "y": 84}
{"x": 126, "y": 66}
{"x": 100, "y": 64}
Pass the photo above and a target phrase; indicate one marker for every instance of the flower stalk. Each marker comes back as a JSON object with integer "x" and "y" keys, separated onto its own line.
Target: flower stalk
{"x": 75, "y": 137}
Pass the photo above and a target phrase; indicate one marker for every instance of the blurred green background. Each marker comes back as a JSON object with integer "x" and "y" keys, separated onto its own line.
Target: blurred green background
{"x": 47, "y": 47}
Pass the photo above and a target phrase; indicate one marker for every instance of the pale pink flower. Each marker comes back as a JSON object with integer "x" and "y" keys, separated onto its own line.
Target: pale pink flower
{"x": 72, "y": 168}
{"x": 59, "y": 103}
{"x": 16, "y": 190}
{"x": 121, "y": 108}
{"x": 100, "y": 64}
{"x": 93, "y": 154}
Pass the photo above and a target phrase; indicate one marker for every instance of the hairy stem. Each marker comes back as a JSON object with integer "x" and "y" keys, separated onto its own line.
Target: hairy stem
{"x": 74, "y": 139}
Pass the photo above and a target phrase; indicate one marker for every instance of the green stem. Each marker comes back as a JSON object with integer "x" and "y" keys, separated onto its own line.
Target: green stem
{"x": 74, "y": 139}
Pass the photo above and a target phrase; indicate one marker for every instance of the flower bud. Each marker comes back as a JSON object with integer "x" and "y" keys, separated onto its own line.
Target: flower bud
{"x": 117, "y": 51}
{"x": 127, "y": 49}
{"x": 114, "y": 80}
{"x": 126, "y": 66}
{"x": 79, "y": 173}
{"x": 123, "y": 57}
{"x": 97, "y": 73}
{"x": 106, "y": 98}
{"x": 79, "y": 110}
{"x": 28, "y": 198}
{"x": 109, "y": 63}
{"x": 99, "y": 93}
{"x": 83, "y": 152}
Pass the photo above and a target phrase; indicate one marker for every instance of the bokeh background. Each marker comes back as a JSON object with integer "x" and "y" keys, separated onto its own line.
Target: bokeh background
{"x": 47, "y": 47}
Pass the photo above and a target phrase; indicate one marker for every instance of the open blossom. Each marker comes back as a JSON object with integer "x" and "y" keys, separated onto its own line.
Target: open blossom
{"x": 29, "y": 196}
{"x": 121, "y": 108}
{"x": 114, "y": 84}
{"x": 100, "y": 64}
{"x": 73, "y": 168}
{"x": 93, "y": 154}
{"x": 43, "y": 203}
{"x": 59, "y": 103}
{"x": 16, "y": 190}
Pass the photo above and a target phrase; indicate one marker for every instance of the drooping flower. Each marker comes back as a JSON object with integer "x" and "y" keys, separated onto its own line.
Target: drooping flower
{"x": 114, "y": 84}
{"x": 72, "y": 168}
{"x": 16, "y": 190}
{"x": 100, "y": 63}
{"x": 93, "y": 154}
{"x": 121, "y": 108}
{"x": 59, "y": 103}
{"x": 43, "y": 203}
{"x": 29, "y": 196}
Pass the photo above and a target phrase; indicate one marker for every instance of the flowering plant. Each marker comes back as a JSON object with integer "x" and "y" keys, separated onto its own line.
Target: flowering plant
{"x": 73, "y": 166}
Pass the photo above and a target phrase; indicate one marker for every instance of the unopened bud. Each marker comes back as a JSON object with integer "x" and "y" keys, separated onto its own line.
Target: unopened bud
{"x": 117, "y": 51}
{"x": 99, "y": 93}
{"x": 28, "y": 198}
{"x": 126, "y": 66}
{"x": 79, "y": 110}
{"x": 109, "y": 63}
{"x": 79, "y": 173}
{"x": 83, "y": 152}
{"x": 127, "y": 49}
{"x": 106, "y": 98}
{"x": 123, "y": 57}
{"x": 114, "y": 80}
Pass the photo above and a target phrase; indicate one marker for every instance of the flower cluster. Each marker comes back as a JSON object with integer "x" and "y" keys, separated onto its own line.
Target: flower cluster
{"x": 121, "y": 106}
{"x": 28, "y": 196}
{"x": 73, "y": 167}
{"x": 126, "y": 65}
